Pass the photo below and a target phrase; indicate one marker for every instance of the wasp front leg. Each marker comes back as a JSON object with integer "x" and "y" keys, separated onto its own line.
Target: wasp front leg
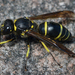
{"x": 28, "y": 52}
{"x": 7, "y": 38}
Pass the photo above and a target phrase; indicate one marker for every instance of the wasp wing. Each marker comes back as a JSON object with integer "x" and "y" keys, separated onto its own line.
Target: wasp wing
{"x": 50, "y": 42}
{"x": 58, "y": 14}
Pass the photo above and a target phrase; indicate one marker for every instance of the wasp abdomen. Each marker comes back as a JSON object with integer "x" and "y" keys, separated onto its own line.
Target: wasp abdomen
{"x": 55, "y": 31}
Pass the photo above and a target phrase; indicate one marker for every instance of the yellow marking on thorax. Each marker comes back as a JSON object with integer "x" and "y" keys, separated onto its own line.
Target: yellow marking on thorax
{"x": 32, "y": 26}
{"x": 26, "y": 17}
{"x": 26, "y": 30}
{"x": 22, "y": 33}
{"x": 15, "y": 20}
{"x": 15, "y": 25}
{"x": 32, "y": 21}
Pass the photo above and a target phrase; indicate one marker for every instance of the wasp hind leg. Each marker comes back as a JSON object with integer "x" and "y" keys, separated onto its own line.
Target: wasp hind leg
{"x": 50, "y": 53}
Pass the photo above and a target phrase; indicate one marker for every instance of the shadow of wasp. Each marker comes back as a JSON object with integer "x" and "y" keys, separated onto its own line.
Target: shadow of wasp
{"x": 46, "y": 33}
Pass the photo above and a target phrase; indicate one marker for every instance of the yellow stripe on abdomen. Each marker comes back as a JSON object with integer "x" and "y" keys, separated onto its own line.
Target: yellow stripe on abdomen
{"x": 45, "y": 28}
{"x": 67, "y": 36}
{"x": 60, "y": 33}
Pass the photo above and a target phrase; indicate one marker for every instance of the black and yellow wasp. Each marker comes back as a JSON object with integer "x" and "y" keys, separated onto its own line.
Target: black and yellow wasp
{"x": 47, "y": 32}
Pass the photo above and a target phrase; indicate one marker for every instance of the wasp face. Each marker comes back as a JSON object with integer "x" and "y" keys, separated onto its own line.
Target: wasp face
{"x": 7, "y": 27}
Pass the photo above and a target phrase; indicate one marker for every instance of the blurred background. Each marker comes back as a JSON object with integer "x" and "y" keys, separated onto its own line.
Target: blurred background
{"x": 12, "y": 58}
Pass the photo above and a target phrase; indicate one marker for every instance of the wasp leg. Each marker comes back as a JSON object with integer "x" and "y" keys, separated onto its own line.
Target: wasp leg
{"x": 7, "y": 38}
{"x": 45, "y": 47}
{"x": 6, "y": 41}
{"x": 50, "y": 53}
{"x": 27, "y": 55}
{"x": 28, "y": 52}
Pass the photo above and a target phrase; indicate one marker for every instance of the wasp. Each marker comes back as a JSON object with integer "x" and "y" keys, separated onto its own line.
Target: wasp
{"x": 50, "y": 33}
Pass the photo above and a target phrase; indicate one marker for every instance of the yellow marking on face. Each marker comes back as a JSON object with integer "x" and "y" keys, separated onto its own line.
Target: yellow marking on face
{"x": 60, "y": 33}
{"x": 45, "y": 28}
{"x": 10, "y": 30}
{"x": 2, "y": 25}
